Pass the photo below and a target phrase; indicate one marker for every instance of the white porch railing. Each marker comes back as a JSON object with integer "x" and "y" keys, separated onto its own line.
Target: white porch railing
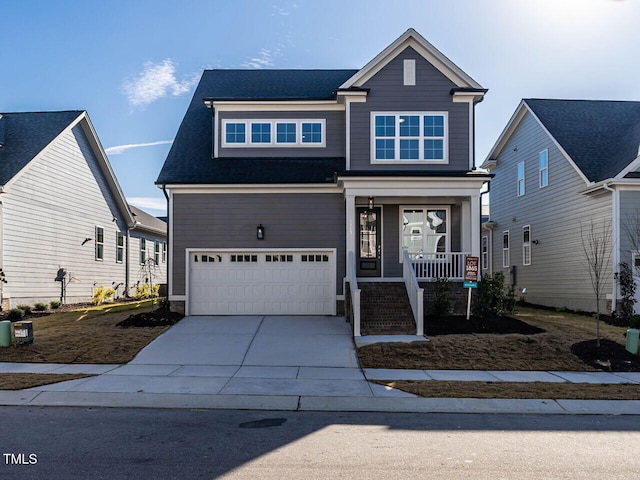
{"x": 355, "y": 294}
{"x": 416, "y": 294}
{"x": 429, "y": 266}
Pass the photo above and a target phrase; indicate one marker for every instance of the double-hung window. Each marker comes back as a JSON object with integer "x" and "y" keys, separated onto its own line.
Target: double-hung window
{"x": 543, "y": 160}
{"x": 273, "y": 133}
{"x": 99, "y": 243}
{"x": 143, "y": 251}
{"x": 505, "y": 249}
{"x": 526, "y": 245}
{"x": 409, "y": 137}
{"x": 119, "y": 247}
{"x": 425, "y": 229}
{"x": 485, "y": 252}
{"x": 164, "y": 252}
{"x": 521, "y": 179}
{"x": 156, "y": 252}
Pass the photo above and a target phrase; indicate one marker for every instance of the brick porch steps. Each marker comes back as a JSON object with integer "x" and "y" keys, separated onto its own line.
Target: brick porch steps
{"x": 385, "y": 309}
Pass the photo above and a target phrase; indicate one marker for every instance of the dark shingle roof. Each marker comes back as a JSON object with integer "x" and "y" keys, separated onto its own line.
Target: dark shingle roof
{"x": 189, "y": 159}
{"x": 148, "y": 221}
{"x": 601, "y": 137}
{"x": 26, "y": 135}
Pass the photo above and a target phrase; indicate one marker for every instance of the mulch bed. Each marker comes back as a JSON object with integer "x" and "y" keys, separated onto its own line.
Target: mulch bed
{"x": 156, "y": 318}
{"x": 457, "y": 324}
{"x": 610, "y": 356}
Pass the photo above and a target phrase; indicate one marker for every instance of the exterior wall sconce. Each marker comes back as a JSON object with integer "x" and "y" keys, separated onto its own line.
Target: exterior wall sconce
{"x": 535, "y": 242}
{"x": 260, "y": 233}
{"x": 370, "y": 202}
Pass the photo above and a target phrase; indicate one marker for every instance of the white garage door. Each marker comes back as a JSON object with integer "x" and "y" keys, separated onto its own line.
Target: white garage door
{"x": 253, "y": 282}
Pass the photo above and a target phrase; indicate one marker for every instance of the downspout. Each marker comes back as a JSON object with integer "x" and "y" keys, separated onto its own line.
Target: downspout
{"x": 615, "y": 205}
{"x": 127, "y": 265}
{"x": 169, "y": 256}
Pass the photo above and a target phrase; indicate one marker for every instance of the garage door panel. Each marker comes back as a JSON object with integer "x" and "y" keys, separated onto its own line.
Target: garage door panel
{"x": 269, "y": 283}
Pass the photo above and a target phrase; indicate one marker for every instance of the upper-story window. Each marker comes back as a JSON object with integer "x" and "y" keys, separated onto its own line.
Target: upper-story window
{"x": 521, "y": 179}
{"x": 99, "y": 243}
{"x": 409, "y": 137}
{"x": 544, "y": 168}
{"x": 273, "y": 133}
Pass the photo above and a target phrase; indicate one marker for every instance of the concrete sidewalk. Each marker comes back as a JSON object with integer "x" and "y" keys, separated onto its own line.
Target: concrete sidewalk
{"x": 281, "y": 363}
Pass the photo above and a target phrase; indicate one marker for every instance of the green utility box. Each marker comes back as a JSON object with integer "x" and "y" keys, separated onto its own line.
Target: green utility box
{"x": 632, "y": 340}
{"x": 23, "y": 333}
{"x": 5, "y": 333}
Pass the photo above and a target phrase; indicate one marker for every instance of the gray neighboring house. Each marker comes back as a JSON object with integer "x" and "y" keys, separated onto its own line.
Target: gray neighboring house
{"x": 147, "y": 250}
{"x": 64, "y": 222}
{"x": 285, "y": 185}
{"x": 559, "y": 165}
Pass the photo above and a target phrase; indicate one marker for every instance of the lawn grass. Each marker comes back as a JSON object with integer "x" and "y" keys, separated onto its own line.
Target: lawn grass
{"x": 86, "y": 335}
{"x": 19, "y": 381}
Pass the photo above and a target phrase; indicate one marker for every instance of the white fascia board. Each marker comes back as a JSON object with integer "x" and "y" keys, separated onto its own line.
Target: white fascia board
{"x": 414, "y": 187}
{"x": 276, "y": 106}
{"x": 617, "y": 184}
{"x": 514, "y": 121}
{"x": 413, "y": 39}
{"x": 250, "y": 188}
{"x": 632, "y": 167}
{"x": 463, "y": 97}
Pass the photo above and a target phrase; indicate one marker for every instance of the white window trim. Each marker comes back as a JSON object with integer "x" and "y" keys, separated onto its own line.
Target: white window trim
{"x": 521, "y": 179}
{"x": 96, "y": 243}
{"x": 118, "y": 247}
{"x": 421, "y": 161}
{"x": 506, "y": 254}
{"x": 164, "y": 252}
{"x": 543, "y": 169}
{"x": 447, "y": 208}
{"x": 484, "y": 253}
{"x": 156, "y": 252}
{"x": 143, "y": 241}
{"x": 526, "y": 246}
{"x": 274, "y": 143}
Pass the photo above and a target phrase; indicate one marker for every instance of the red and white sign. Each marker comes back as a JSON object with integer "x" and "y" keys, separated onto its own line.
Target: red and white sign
{"x": 471, "y": 269}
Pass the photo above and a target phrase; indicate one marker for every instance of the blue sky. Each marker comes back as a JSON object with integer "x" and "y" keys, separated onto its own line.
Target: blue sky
{"x": 133, "y": 64}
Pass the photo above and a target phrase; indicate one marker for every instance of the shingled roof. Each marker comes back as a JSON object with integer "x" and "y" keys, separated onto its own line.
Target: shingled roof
{"x": 189, "y": 159}
{"x": 24, "y": 135}
{"x": 601, "y": 137}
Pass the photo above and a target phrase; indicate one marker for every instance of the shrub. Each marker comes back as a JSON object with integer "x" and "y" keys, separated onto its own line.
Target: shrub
{"x": 156, "y": 290}
{"x": 25, "y": 308}
{"x": 634, "y": 322}
{"x": 40, "y": 307}
{"x": 627, "y": 293}
{"x": 102, "y": 295}
{"x": 493, "y": 298}
{"x": 442, "y": 292}
{"x": 142, "y": 291}
{"x": 15, "y": 314}
{"x": 55, "y": 304}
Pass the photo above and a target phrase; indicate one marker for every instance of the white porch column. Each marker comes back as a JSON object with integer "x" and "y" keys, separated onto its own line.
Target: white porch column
{"x": 476, "y": 219}
{"x": 350, "y": 205}
{"x": 465, "y": 230}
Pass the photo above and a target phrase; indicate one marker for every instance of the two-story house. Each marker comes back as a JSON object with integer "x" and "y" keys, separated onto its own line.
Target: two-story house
{"x": 65, "y": 226}
{"x": 562, "y": 167}
{"x": 285, "y": 185}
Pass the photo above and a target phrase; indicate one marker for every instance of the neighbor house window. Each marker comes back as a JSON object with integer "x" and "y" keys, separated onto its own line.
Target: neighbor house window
{"x": 119, "y": 247}
{"x": 425, "y": 230}
{"x": 505, "y": 248}
{"x": 409, "y": 137}
{"x": 99, "y": 243}
{"x": 485, "y": 252}
{"x": 526, "y": 245}
{"x": 143, "y": 251}
{"x": 156, "y": 252}
{"x": 269, "y": 133}
{"x": 164, "y": 252}
{"x": 521, "y": 179}
{"x": 544, "y": 168}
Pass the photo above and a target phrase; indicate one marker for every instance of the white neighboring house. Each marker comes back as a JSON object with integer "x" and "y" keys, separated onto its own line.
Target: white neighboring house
{"x": 65, "y": 226}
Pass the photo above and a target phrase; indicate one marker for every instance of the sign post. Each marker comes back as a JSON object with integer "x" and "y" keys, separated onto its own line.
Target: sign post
{"x": 470, "y": 278}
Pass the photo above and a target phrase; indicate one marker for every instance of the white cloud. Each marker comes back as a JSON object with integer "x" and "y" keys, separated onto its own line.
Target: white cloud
{"x": 263, "y": 60}
{"x": 118, "y": 149}
{"x": 148, "y": 203}
{"x": 157, "y": 80}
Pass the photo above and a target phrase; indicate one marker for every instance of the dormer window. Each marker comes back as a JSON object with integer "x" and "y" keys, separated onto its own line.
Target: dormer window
{"x": 409, "y": 137}
{"x": 273, "y": 133}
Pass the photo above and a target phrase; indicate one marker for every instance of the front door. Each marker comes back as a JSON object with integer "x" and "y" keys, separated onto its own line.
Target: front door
{"x": 369, "y": 246}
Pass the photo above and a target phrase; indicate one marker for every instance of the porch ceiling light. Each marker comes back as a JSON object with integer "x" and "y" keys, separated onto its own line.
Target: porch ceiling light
{"x": 370, "y": 202}
{"x": 260, "y": 232}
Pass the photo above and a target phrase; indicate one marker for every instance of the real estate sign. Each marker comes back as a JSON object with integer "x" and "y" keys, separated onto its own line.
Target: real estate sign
{"x": 470, "y": 278}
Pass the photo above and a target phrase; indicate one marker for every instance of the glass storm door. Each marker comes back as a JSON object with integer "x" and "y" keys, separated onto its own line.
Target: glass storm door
{"x": 369, "y": 248}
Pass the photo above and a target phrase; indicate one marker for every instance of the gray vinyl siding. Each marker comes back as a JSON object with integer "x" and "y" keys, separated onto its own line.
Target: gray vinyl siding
{"x": 48, "y": 212}
{"x": 557, "y": 275}
{"x": 629, "y": 217}
{"x": 334, "y": 135}
{"x": 431, "y": 93}
{"x": 230, "y": 221}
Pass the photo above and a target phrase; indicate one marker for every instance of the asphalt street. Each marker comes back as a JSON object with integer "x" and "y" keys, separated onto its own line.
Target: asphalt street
{"x": 83, "y": 443}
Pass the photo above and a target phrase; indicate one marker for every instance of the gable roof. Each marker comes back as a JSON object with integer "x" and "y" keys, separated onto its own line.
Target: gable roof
{"x": 145, "y": 221}
{"x": 413, "y": 39}
{"x": 26, "y": 134}
{"x": 189, "y": 159}
{"x": 600, "y": 138}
